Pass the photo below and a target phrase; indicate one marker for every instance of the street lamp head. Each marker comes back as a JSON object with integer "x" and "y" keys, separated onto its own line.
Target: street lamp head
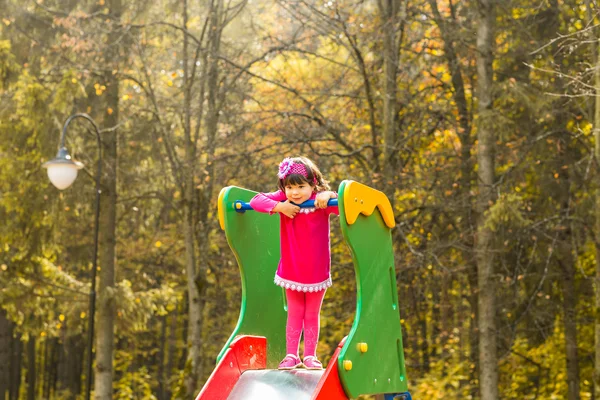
{"x": 62, "y": 171}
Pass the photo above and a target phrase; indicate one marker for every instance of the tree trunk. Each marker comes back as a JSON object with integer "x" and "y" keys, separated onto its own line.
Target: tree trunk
{"x": 488, "y": 361}
{"x": 15, "y": 367}
{"x": 566, "y": 261}
{"x": 448, "y": 35}
{"x": 389, "y": 10}
{"x": 445, "y": 315}
{"x": 103, "y": 389}
{"x": 195, "y": 303}
{"x": 570, "y": 321}
{"x": 425, "y": 351}
{"x": 597, "y": 238}
{"x": 597, "y": 280}
{"x": 5, "y": 342}
{"x": 106, "y": 303}
{"x": 214, "y": 100}
{"x": 71, "y": 363}
{"x": 31, "y": 372}
{"x": 62, "y": 364}
{"x": 194, "y": 339}
{"x": 414, "y": 335}
{"x": 436, "y": 330}
{"x": 41, "y": 367}
{"x": 161, "y": 358}
{"x": 184, "y": 334}
{"x": 50, "y": 369}
{"x": 46, "y": 372}
{"x": 172, "y": 351}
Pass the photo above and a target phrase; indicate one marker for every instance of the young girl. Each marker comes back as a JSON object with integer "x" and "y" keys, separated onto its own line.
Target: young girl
{"x": 304, "y": 268}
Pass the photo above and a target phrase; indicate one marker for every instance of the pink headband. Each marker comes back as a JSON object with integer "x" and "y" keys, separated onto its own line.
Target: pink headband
{"x": 289, "y": 167}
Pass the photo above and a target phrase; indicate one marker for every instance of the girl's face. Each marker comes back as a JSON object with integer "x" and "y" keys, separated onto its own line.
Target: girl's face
{"x": 298, "y": 193}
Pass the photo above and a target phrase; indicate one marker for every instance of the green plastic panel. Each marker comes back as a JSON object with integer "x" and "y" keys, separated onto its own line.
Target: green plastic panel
{"x": 381, "y": 368}
{"x": 254, "y": 239}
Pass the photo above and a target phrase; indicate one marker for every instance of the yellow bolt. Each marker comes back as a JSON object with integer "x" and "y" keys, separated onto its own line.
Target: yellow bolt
{"x": 347, "y": 365}
{"x": 238, "y": 205}
{"x": 363, "y": 347}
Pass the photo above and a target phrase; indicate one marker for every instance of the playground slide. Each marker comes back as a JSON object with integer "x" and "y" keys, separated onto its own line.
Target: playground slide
{"x": 241, "y": 374}
{"x": 370, "y": 360}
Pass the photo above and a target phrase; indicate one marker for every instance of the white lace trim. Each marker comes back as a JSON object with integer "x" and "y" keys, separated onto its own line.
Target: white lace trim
{"x": 302, "y": 287}
{"x": 308, "y": 210}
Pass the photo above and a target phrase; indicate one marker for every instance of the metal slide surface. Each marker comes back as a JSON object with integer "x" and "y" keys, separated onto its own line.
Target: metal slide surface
{"x": 274, "y": 385}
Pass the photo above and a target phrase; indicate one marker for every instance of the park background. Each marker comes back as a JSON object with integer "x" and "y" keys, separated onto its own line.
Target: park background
{"x": 478, "y": 118}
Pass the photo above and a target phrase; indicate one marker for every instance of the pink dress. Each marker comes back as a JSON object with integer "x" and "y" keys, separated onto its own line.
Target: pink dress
{"x": 305, "y": 263}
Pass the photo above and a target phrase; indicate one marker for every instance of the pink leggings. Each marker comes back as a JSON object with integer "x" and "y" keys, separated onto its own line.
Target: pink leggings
{"x": 303, "y": 311}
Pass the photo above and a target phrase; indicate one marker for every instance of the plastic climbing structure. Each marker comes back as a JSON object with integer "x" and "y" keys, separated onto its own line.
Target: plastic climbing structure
{"x": 368, "y": 361}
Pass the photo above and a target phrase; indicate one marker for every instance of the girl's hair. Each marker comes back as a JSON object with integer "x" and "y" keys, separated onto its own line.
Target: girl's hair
{"x": 313, "y": 172}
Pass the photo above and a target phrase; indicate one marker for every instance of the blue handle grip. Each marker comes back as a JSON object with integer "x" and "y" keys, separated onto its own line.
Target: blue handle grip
{"x": 241, "y": 206}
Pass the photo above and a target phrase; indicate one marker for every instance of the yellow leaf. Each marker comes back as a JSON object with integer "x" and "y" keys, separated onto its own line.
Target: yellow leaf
{"x": 170, "y": 83}
{"x": 82, "y": 315}
{"x": 61, "y": 318}
{"x": 158, "y": 243}
{"x": 109, "y": 111}
{"x": 586, "y": 128}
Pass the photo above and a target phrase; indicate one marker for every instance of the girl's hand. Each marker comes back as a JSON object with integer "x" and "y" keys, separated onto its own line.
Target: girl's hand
{"x": 322, "y": 199}
{"x": 286, "y": 208}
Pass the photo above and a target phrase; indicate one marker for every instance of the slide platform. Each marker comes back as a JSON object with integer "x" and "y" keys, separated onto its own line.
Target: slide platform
{"x": 241, "y": 374}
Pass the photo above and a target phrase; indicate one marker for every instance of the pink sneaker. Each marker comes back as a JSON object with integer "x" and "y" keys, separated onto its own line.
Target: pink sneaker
{"x": 290, "y": 361}
{"x": 311, "y": 362}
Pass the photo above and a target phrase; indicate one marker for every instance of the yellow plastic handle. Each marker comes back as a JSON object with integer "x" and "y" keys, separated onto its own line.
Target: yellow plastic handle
{"x": 361, "y": 199}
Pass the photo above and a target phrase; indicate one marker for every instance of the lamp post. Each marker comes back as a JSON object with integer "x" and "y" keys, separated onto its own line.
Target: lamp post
{"x": 62, "y": 172}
